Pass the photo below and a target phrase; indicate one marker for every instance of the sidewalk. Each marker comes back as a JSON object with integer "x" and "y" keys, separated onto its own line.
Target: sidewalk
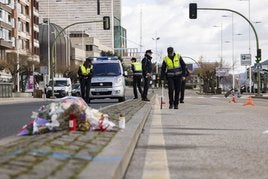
{"x": 205, "y": 138}
{"x": 73, "y": 154}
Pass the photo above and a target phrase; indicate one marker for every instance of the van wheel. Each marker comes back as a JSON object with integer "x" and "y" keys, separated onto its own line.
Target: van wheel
{"x": 121, "y": 99}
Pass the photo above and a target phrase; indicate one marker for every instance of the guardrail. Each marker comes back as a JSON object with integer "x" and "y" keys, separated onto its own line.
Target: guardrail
{"x": 6, "y": 90}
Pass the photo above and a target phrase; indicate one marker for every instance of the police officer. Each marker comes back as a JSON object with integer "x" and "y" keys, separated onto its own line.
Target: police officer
{"x": 173, "y": 68}
{"x": 85, "y": 75}
{"x": 136, "y": 68}
{"x": 146, "y": 73}
{"x": 183, "y": 84}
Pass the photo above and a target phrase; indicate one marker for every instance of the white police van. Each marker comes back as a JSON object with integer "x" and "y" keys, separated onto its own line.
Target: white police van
{"x": 108, "y": 79}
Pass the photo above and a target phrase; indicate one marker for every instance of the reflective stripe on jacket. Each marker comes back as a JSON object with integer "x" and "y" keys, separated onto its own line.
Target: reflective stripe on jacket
{"x": 173, "y": 66}
{"x": 85, "y": 71}
{"x": 137, "y": 68}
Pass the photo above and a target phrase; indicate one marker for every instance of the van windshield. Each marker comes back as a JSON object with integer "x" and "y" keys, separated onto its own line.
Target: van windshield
{"x": 58, "y": 83}
{"x": 106, "y": 69}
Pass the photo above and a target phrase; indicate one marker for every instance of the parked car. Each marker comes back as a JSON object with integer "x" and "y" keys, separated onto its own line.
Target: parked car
{"x": 108, "y": 79}
{"x": 76, "y": 90}
{"x": 62, "y": 87}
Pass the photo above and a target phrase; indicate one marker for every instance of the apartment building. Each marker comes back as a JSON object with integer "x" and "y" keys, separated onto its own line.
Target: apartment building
{"x": 65, "y": 12}
{"x": 7, "y": 40}
{"x": 23, "y": 37}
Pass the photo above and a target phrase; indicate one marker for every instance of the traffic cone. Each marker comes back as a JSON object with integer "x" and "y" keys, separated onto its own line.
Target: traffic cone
{"x": 233, "y": 99}
{"x": 249, "y": 102}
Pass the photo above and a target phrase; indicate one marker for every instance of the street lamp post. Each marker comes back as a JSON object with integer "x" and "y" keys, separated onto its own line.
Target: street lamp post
{"x": 249, "y": 47}
{"x": 156, "y": 70}
{"x": 221, "y": 39}
{"x": 54, "y": 43}
{"x": 156, "y": 39}
{"x": 199, "y": 66}
{"x": 232, "y": 47}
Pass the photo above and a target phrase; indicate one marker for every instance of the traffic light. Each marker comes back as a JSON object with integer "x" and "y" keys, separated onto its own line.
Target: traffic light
{"x": 106, "y": 23}
{"x": 258, "y": 57}
{"x": 192, "y": 10}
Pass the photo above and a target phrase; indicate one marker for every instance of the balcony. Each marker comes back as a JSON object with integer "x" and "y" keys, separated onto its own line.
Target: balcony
{"x": 24, "y": 35}
{"x": 5, "y": 44}
{"x": 25, "y": 2}
{"x": 35, "y": 12}
{"x": 25, "y": 17}
{"x": 36, "y": 43}
{"x": 36, "y": 28}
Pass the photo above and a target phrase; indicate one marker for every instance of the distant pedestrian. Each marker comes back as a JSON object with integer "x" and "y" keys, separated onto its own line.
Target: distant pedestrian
{"x": 85, "y": 75}
{"x": 183, "y": 85}
{"x": 136, "y": 68}
{"x": 173, "y": 68}
{"x": 146, "y": 73}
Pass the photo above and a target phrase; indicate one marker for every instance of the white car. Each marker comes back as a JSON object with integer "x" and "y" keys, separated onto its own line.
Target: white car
{"x": 108, "y": 79}
{"x": 62, "y": 87}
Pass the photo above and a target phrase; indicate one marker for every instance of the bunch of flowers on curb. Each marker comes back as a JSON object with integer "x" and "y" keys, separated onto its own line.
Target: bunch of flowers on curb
{"x": 69, "y": 113}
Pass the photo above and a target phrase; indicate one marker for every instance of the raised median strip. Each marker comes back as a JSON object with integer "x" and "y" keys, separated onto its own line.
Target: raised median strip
{"x": 66, "y": 154}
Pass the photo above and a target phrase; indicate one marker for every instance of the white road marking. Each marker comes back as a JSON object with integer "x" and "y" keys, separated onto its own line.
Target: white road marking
{"x": 156, "y": 163}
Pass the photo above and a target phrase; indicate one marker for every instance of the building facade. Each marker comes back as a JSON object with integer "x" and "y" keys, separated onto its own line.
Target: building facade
{"x": 7, "y": 40}
{"x": 26, "y": 31}
{"x": 66, "y": 12}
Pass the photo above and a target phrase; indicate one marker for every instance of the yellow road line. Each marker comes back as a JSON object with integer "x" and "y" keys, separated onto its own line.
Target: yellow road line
{"x": 156, "y": 163}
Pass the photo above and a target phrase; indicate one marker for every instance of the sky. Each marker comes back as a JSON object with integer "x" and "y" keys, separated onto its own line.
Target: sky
{"x": 202, "y": 37}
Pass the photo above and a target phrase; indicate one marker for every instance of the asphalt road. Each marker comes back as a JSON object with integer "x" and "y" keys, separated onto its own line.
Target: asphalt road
{"x": 14, "y": 116}
{"x": 208, "y": 137}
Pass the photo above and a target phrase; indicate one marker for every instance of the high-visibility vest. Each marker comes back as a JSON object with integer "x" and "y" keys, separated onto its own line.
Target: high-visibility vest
{"x": 137, "y": 68}
{"x": 173, "y": 67}
{"x": 85, "y": 71}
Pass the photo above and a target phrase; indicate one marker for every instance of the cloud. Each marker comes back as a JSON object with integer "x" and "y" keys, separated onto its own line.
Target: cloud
{"x": 195, "y": 38}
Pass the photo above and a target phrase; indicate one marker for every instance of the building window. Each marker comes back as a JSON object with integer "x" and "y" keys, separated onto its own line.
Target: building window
{"x": 27, "y": 10}
{"x": 1, "y": 33}
{"x": 27, "y": 27}
{"x": 1, "y": 13}
{"x": 19, "y": 25}
{"x": 27, "y": 45}
{"x": 9, "y": 18}
{"x": 89, "y": 47}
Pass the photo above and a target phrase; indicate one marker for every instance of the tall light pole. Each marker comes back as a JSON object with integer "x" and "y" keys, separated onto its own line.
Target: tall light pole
{"x": 48, "y": 41}
{"x": 221, "y": 39}
{"x": 249, "y": 47}
{"x": 156, "y": 39}
{"x": 17, "y": 43}
{"x": 232, "y": 47}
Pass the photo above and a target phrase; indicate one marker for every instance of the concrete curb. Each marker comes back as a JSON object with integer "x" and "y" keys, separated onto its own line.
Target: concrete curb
{"x": 113, "y": 161}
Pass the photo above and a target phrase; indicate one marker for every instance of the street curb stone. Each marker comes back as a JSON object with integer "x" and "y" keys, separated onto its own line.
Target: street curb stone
{"x": 118, "y": 152}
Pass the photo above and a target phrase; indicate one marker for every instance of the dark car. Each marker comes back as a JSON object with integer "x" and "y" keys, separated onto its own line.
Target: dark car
{"x": 76, "y": 89}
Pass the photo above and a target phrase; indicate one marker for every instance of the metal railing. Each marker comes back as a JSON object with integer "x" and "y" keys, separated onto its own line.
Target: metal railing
{"x": 6, "y": 90}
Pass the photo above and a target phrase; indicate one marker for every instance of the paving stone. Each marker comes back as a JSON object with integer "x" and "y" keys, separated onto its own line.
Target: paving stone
{"x": 58, "y": 142}
{"x": 4, "y": 176}
{"x": 79, "y": 143}
{"x": 47, "y": 167}
{"x": 21, "y": 163}
{"x": 5, "y": 171}
{"x": 83, "y": 152}
{"x": 72, "y": 148}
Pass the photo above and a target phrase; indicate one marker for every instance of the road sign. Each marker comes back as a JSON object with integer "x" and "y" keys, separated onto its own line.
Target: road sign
{"x": 257, "y": 66}
{"x": 245, "y": 59}
{"x": 43, "y": 69}
{"x": 222, "y": 72}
